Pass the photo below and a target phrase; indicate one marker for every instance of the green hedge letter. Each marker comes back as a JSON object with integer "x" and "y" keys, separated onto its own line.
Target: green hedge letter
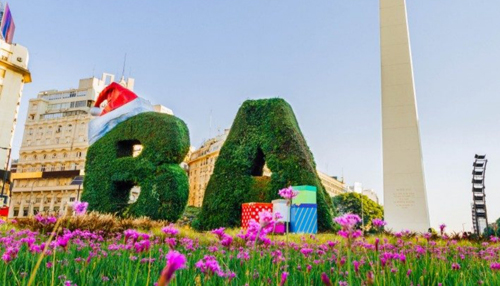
{"x": 111, "y": 171}
{"x": 264, "y": 132}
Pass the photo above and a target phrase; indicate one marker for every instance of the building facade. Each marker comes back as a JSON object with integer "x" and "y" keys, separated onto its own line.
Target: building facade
{"x": 371, "y": 195}
{"x": 202, "y": 162}
{"x": 14, "y": 74}
{"x": 54, "y": 148}
{"x": 201, "y": 166}
{"x": 332, "y": 185}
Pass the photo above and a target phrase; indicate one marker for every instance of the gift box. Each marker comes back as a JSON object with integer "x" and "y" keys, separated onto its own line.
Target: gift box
{"x": 279, "y": 228}
{"x": 251, "y": 211}
{"x": 304, "y": 218}
{"x": 307, "y": 195}
{"x": 279, "y": 206}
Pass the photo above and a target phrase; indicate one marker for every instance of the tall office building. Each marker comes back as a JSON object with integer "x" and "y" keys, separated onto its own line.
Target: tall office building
{"x": 14, "y": 74}
{"x": 54, "y": 148}
{"x": 405, "y": 198}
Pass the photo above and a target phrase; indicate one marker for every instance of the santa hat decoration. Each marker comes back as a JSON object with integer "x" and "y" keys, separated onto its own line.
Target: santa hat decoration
{"x": 116, "y": 96}
{"x": 121, "y": 105}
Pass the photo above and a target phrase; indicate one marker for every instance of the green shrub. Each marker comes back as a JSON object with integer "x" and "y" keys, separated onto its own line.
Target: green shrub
{"x": 111, "y": 171}
{"x": 264, "y": 131}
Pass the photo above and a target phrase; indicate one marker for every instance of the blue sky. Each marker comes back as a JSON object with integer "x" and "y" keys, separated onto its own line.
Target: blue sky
{"x": 202, "y": 57}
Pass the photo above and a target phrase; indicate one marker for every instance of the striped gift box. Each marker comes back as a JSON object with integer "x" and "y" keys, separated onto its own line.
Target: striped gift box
{"x": 304, "y": 218}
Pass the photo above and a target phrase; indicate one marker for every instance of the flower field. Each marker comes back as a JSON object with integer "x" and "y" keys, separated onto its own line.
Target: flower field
{"x": 174, "y": 255}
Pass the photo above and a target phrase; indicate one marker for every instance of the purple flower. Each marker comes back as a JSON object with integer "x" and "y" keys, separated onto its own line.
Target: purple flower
{"x": 288, "y": 193}
{"x": 63, "y": 241}
{"x": 356, "y": 265}
{"x": 495, "y": 266}
{"x": 219, "y": 232}
{"x": 326, "y": 281}
{"x": 442, "y": 227}
{"x": 175, "y": 261}
{"x": 170, "y": 230}
{"x": 80, "y": 208}
{"x": 209, "y": 265}
{"x": 45, "y": 220}
{"x": 455, "y": 266}
{"x": 306, "y": 251}
{"x": 348, "y": 223}
{"x": 284, "y": 275}
{"x": 378, "y": 223}
{"x": 265, "y": 218}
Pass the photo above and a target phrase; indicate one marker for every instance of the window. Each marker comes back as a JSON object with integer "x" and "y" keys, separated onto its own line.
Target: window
{"x": 25, "y": 212}
{"x": 16, "y": 212}
{"x": 30, "y": 132}
{"x": 2, "y": 73}
{"x": 63, "y": 114}
{"x": 72, "y": 199}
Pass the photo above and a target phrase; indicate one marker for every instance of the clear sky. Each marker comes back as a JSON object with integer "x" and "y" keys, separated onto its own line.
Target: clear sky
{"x": 207, "y": 57}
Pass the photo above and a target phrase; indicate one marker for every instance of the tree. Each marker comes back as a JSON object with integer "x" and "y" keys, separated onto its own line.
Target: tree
{"x": 351, "y": 203}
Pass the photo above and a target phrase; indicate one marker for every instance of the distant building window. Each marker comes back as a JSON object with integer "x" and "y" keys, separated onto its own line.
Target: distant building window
{"x": 72, "y": 199}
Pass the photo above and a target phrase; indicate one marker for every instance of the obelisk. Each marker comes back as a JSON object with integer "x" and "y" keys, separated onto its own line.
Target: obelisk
{"x": 405, "y": 198}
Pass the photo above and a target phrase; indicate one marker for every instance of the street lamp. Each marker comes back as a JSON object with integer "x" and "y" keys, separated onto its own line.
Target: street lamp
{"x": 6, "y": 167}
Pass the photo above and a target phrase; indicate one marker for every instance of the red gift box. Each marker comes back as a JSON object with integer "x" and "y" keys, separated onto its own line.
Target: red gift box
{"x": 251, "y": 211}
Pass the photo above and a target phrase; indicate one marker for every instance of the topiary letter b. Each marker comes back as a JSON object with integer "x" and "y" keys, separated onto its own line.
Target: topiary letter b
{"x": 111, "y": 171}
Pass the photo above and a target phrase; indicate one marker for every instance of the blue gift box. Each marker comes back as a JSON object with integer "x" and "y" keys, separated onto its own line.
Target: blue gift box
{"x": 304, "y": 218}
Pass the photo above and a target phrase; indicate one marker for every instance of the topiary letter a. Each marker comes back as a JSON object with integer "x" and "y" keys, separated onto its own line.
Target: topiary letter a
{"x": 264, "y": 132}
